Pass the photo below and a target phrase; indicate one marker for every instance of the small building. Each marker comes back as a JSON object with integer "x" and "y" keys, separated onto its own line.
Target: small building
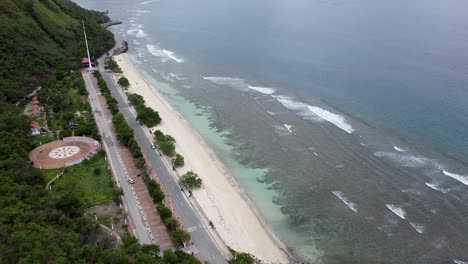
{"x": 85, "y": 62}
{"x": 35, "y": 128}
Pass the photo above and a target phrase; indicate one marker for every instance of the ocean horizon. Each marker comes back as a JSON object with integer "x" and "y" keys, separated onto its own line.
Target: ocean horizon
{"x": 343, "y": 121}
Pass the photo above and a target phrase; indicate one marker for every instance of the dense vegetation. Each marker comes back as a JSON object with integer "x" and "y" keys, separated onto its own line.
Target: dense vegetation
{"x": 113, "y": 66}
{"x": 241, "y": 258}
{"x": 40, "y": 42}
{"x": 65, "y": 102}
{"x": 112, "y": 104}
{"x": 178, "y": 235}
{"x": 40, "y": 38}
{"x": 145, "y": 115}
{"x": 165, "y": 143}
{"x": 37, "y": 226}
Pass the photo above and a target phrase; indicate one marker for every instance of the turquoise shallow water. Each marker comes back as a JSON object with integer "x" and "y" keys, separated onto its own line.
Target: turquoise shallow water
{"x": 200, "y": 118}
{"x": 343, "y": 121}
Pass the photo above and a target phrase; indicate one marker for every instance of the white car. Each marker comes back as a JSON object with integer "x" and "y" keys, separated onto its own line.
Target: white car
{"x": 130, "y": 180}
{"x": 153, "y": 146}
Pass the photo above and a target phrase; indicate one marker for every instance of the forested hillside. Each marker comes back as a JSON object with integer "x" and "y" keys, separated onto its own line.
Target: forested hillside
{"x": 40, "y": 42}
{"x": 40, "y": 37}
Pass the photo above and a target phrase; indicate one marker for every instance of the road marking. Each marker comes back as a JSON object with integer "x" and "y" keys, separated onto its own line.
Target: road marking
{"x": 192, "y": 228}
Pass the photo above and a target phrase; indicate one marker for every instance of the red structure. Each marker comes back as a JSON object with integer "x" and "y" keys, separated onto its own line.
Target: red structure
{"x": 85, "y": 62}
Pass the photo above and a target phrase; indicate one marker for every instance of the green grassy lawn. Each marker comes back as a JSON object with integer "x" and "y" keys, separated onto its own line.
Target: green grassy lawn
{"x": 91, "y": 181}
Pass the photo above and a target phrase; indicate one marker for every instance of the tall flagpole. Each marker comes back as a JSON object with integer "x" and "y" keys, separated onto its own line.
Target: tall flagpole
{"x": 87, "y": 49}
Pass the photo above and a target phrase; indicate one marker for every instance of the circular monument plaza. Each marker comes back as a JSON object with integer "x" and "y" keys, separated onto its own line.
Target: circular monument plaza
{"x": 63, "y": 153}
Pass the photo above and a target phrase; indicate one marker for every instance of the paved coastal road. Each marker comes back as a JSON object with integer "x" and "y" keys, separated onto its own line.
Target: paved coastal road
{"x": 203, "y": 242}
{"x": 130, "y": 199}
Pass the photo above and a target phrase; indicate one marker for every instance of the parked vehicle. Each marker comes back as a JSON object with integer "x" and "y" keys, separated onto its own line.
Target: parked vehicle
{"x": 130, "y": 180}
{"x": 153, "y": 146}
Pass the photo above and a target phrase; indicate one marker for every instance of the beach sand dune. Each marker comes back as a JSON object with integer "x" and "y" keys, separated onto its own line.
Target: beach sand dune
{"x": 222, "y": 201}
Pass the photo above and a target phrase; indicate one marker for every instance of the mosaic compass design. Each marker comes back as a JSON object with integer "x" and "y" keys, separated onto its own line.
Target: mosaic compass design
{"x": 64, "y": 152}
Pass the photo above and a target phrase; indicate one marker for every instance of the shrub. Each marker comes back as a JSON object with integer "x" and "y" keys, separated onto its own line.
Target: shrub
{"x": 124, "y": 82}
{"x": 164, "y": 212}
{"x": 171, "y": 224}
{"x": 165, "y": 142}
{"x": 113, "y": 66}
{"x": 179, "y": 236}
{"x": 178, "y": 161}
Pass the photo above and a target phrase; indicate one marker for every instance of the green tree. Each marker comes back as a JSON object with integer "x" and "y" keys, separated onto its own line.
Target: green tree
{"x": 164, "y": 212}
{"x": 170, "y": 257}
{"x": 190, "y": 180}
{"x": 179, "y": 236}
{"x": 178, "y": 161}
{"x": 69, "y": 204}
{"x": 171, "y": 224}
{"x": 124, "y": 82}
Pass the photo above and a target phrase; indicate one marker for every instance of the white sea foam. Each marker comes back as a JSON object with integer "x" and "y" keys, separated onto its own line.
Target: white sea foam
{"x": 399, "y": 149}
{"x": 457, "y": 261}
{"x": 461, "y": 178}
{"x": 418, "y": 227}
{"x": 290, "y": 104}
{"x": 147, "y": 2}
{"x": 271, "y": 113}
{"x": 406, "y": 160}
{"x": 400, "y": 212}
{"x": 333, "y": 118}
{"x": 134, "y": 28}
{"x": 263, "y": 90}
{"x": 236, "y": 83}
{"x": 141, "y": 34}
{"x": 165, "y": 55}
{"x": 281, "y": 130}
{"x": 171, "y": 55}
{"x": 345, "y": 200}
{"x": 315, "y": 153}
{"x": 288, "y": 127}
{"x": 436, "y": 187}
{"x": 314, "y": 113}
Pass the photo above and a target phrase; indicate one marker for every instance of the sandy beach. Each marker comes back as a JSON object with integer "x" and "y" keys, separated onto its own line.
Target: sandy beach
{"x": 222, "y": 201}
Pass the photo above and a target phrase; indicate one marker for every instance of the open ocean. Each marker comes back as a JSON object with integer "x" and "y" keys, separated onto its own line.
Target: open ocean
{"x": 345, "y": 121}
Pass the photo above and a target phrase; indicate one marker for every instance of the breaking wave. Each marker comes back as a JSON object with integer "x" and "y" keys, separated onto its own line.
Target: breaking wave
{"x": 399, "y": 149}
{"x": 236, "y": 83}
{"x": 165, "y": 55}
{"x": 333, "y": 118}
{"x": 288, "y": 127}
{"x": 400, "y": 212}
{"x": 263, "y": 90}
{"x": 147, "y": 2}
{"x": 314, "y": 113}
{"x": 405, "y": 160}
{"x": 418, "y": 227}
{"x": 345, "y": 200}
{"x": 308, "y": 112}
{"x": 436, "y": 187}
{"x": 461, "y": 178}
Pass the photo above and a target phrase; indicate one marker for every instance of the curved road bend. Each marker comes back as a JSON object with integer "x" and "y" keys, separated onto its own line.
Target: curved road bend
{"x": 207, "y": 248}
{"x": 140, "y": 229}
